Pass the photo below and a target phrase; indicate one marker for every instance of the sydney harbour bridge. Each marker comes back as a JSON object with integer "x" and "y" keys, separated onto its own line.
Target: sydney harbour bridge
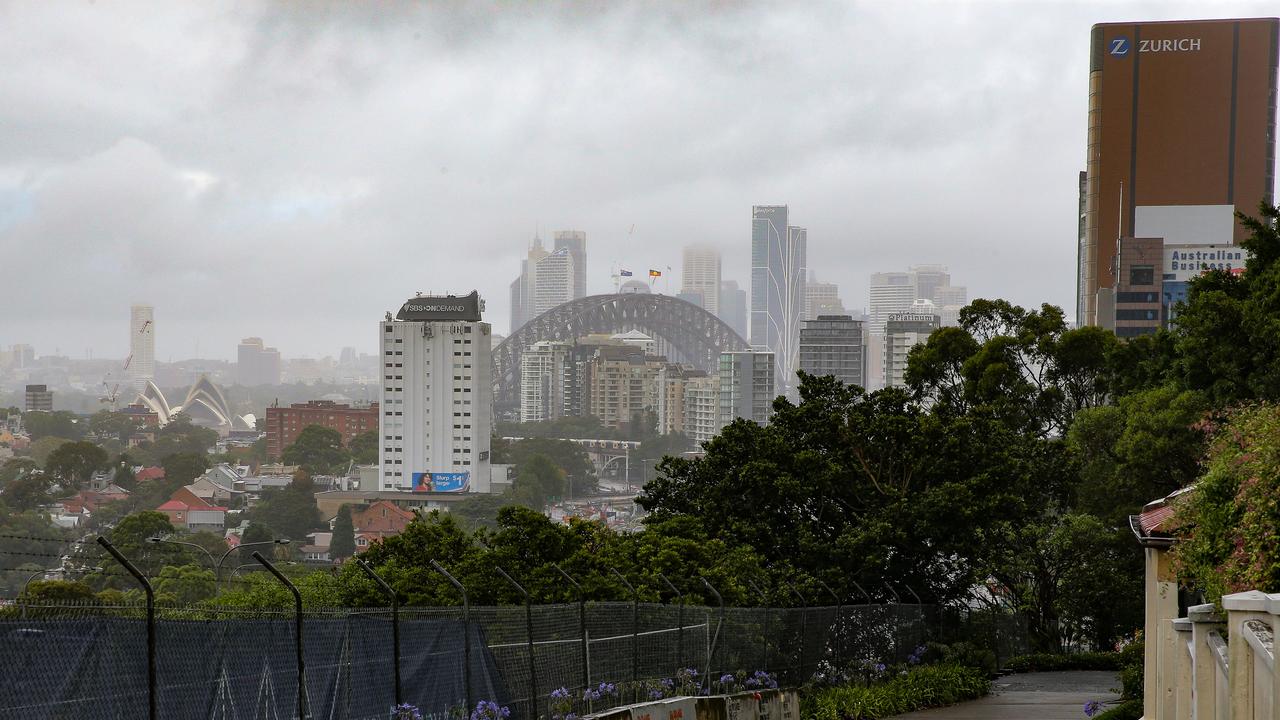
{"x": 684, "y": 332}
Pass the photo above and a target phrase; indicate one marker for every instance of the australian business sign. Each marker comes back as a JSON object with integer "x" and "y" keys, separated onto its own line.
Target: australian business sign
{"x": 441, "y": 482}
{"x": 448, "y": 308}
{"x": 1184, "y": 262}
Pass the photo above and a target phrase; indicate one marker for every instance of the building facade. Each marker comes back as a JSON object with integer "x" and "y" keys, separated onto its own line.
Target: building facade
{"x": 285, "y": 424}
{"x": 904, "y": 331}
{"x": 142, "y": 346}
{"x": 544, "y": 370}
{"x": 748, "y": 386}
{"x": 437, "y": 396}
{"x": 821, "y": 298}
{"x": 621, "y": 385}
{"x": 1181, "y": 134}
{"x": 702, "y": 408}
{"x": 39, "y": 398}
{"x": 575, "y": 242}
{"x": 700, "y": 275}
{"x": 522, "y": 288}
{"x": 834, "y": 345}
{"x": 553, "y": 282}
{"x": 733, "y": 307}
{"x": 778, "y": 262}
{"x": 257, "y": 364}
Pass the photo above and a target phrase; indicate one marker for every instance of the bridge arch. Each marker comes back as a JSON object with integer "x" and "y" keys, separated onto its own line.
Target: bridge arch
{"x": 685, "y": 332}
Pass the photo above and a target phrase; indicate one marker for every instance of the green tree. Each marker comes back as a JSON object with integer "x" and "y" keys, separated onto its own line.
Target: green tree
{"x": 28, "y": 492}
{"x": 109, "y": 425}
{"x": 645, "y": 459}
{"x": 15, "y": 468}
{"x": 343, "y": 543}
{"x": 569, "y": 457}
{"x": 1226, "y": 338}
{"x": 57, "y": 591}
{"x": 43, "y": 447}
{"x": 183, "y": 468}
{"x": 72, "y": 464}
{"x": 290, "y": 511}
{"x": 537, "y": 482}
{"x": 186, "y": 584}
{"x": 480, "y": 510}
{"x": 131, "y": 537}
{"x": 318, "y": 450}
{"x": 255, "y": 533}
{"x": 59, "y": 423}
{"x": 364, "y": 447}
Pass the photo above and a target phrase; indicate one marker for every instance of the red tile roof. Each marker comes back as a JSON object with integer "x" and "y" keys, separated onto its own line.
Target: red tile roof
{"x": 150, "y": 473}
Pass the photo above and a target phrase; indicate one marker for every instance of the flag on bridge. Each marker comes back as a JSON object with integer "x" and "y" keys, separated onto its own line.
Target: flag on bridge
{"x": 655, "y": 273}
{"x": 624, "y": 273}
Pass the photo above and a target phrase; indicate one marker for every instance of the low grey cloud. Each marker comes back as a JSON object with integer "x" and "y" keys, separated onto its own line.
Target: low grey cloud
{"x": 293, "y": 170}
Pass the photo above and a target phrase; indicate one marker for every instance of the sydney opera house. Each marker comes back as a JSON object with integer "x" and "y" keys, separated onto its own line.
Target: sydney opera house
{"x": 205, "y": 405}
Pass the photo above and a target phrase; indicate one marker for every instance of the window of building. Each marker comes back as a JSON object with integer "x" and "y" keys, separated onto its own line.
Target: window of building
{"x": 1142, "y": 275}
{"x": 1137, "y": 297}
{"x": 1151, "y": 314}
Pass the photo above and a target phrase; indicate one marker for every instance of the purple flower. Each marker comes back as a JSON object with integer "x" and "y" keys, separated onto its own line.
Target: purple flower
{"x": 726, "y": 679}
{"x": 879, "y": 667}
{"x": 406, "y": 711}
{"x": 1091, "y": 708}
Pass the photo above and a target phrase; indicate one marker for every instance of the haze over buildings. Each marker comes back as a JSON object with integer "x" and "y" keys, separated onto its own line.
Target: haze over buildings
{"x": 439, "y": 198}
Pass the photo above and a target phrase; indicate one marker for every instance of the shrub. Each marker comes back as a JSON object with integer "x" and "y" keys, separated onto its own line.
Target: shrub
{"x": 1127, "y": 710}
{"x": 922, "y": 687}
{"x": 1045, "y": 662}
{"x": 966, "y": 654}
{"x": 1228, "y": 521}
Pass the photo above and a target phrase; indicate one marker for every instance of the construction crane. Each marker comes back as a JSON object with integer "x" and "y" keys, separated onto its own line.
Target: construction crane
{"x": 110, "y": 398}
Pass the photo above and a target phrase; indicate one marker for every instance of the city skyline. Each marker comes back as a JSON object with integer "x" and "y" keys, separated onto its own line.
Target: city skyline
{"x": 125, "y": 198}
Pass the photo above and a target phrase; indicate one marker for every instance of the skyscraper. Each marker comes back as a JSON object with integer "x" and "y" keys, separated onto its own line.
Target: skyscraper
{"x": 436, "y": 397}
{"x": 142, "y": 346}
{"x": 257, "y": 364}
{"x": 575, "y": 241}
{"x": 543, "y": 371}
{"x": 700, "y": 274}
{"x": 904, "y": 331}
{"x": 522, "y": 288}
{"x": 747, "y": 386}
{"x": 777, "y": 292}
{"x": 733, "y": 306}
{"x": 834, "y": 345}
{"x": 1182, "y": 119}
{"x": 554, "y": 277}
{"x": 891, "y": 292}
{"x": 821, "y": 298}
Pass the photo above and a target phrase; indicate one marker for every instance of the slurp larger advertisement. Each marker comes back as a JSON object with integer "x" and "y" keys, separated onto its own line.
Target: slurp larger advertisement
{"x": 441, "y": 482}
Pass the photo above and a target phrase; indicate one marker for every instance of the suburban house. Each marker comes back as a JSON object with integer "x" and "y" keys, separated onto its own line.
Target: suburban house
{"x": 189, "y": 512}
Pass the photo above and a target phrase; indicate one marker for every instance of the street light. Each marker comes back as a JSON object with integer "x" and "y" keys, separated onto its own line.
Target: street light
{"x": 217, "y": 566}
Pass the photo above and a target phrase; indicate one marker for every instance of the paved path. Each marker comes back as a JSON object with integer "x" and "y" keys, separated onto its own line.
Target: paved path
{"x": 1031, "y": 696}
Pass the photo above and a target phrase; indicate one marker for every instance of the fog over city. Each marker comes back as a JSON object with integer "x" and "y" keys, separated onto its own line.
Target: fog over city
{"x": 292, "y": 171}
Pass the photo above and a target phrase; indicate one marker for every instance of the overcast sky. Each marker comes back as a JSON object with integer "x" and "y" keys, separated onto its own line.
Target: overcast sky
{"x": 293, "y": 170}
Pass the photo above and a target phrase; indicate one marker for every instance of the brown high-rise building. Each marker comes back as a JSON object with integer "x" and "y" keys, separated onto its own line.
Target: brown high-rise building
{"x": 1182, "y": 122}
{"x": 285, "y": 424}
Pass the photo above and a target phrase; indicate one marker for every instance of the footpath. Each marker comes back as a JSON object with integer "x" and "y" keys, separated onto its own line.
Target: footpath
{"x": 1032, "y": 696}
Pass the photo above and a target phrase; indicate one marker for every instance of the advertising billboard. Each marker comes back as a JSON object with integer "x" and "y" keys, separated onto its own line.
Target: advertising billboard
{"x": 1183, "y": 262}
{"x": 441, "y": 482}
{"x": 447, "y": 308}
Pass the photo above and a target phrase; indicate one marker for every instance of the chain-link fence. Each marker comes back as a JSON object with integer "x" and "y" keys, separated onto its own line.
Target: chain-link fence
{"x": 75, "y": 661}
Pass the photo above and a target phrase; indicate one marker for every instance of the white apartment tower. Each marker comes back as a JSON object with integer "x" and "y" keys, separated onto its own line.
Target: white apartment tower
{"x": 542, "y": 380}
{"x": 436, "y": 397}
{"x": 904, "y": 331}
{"x": 142, "y": 346}
{"x": 700, "y": 273}
{"x": 554, "y": 280}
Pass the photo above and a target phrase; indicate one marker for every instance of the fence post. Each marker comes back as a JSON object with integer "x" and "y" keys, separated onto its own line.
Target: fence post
{"x": 768, "y": 620}
{"x": 152, "y": 709}
{"x": 395, "y": 621}
{"x": 715, "y": 639}
{"x": 582, "y": 625}
{"x": 838, "y": 623}
{"x": 679, "y": 622}
{"x": 466, "y": 631}
{"x": 528, "y": 624}
{"x": 635, "y": 627}
{"x": 297, "y": 629}
{"x": 804, "y": 621}
{"x": 919, "y": 613}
